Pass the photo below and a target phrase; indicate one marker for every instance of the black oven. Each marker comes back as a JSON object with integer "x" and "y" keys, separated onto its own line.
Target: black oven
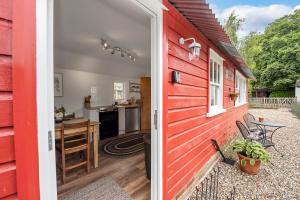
{"x": 109, "y": 124}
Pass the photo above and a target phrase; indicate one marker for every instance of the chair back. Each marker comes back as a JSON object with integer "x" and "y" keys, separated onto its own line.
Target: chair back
{"x": 243, "y": 129}
{"x": 75, "y": 128}
{"x": 248, "y": 118}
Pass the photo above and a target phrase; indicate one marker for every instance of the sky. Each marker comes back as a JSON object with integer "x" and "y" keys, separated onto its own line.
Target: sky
{"x": 257, "y": 13}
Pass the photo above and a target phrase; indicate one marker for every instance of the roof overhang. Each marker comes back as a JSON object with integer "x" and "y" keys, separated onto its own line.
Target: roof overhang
{"x": 202, "y": 17}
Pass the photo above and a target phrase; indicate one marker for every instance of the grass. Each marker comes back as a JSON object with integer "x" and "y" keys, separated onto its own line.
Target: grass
{"x": 296, "y": 110}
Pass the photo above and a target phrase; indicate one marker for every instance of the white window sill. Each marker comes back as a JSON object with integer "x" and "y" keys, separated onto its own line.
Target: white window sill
{"x": 240, "y": 104}
{"x": 211, "y": 114}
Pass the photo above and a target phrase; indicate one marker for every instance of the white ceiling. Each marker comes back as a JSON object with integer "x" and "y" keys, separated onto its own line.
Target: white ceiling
{"x": 79, "y": 25}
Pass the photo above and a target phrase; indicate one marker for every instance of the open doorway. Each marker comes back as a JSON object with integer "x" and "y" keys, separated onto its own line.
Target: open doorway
{"x": 102, "y": 73}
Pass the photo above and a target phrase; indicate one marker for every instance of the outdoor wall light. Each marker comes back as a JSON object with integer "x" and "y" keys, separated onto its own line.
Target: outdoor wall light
{"x": 175, "y": 77}
{"x": 194, "y": 47}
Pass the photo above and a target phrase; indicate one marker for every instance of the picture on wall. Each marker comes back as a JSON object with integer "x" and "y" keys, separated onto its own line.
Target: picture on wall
{"x": 58, "y": 85}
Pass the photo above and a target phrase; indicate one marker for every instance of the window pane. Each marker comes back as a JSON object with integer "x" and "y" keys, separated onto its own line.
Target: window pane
{"x": 219, "y": 73}
{"x": 217, "y": 99}
{"x": 119, "y": 91}
{"x": 211, "y": 70}
{"x": 212, "y": 94}
{"x": 215, "y": 72}
{"x": 118, "y": 86}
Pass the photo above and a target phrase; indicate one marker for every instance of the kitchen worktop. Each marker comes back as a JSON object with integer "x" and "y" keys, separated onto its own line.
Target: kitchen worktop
{"x": 128, "y": 106}
{"x": 111, "y": 108}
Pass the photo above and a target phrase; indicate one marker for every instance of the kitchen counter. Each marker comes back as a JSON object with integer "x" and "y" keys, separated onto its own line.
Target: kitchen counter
{"x": 128, "y": 106}
{"x": 112, "y": 108}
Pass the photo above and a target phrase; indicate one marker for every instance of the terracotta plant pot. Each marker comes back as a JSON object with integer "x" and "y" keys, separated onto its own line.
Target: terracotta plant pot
{"x": 233, "y": 98}
{"x": 249, "y": 169}
{"x": 261, "y": 119}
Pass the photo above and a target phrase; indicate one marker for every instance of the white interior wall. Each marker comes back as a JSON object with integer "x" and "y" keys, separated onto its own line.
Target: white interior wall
{"x": 77, "y": 85}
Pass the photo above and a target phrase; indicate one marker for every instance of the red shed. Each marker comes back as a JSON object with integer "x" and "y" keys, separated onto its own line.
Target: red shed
{"x": 190, "y": 104}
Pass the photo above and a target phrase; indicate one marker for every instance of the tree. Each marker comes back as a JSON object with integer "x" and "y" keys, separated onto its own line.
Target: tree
{"x": 276, "y": 54}
{"x": 232, "y": 25}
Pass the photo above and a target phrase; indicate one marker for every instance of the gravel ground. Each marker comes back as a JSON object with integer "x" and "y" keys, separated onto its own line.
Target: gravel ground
{"x": 279, "y": 180}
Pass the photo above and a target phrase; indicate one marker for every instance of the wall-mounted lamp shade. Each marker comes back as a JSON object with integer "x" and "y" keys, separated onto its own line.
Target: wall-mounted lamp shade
{"x": 194, "y": 47}
{"x": 175, "y": 77}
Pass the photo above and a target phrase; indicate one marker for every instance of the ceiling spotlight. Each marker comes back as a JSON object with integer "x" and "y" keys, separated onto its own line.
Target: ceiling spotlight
{"x": 194, "y": 47}
{"x": 116, "y": 49}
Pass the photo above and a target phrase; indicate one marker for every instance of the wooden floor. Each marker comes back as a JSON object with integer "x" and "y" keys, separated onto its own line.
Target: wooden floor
{"x": 129, "y": 172}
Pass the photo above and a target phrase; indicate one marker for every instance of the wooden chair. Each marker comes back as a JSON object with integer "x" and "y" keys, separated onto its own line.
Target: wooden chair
{"x": 75, "y": 138}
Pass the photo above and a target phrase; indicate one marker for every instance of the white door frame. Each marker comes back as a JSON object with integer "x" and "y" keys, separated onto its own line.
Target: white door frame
{"x": 45, "y": 96}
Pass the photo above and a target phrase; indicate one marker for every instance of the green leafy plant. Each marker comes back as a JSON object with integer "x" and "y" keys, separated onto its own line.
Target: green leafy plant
{"x": 252, "y": 150}
{"x": 287, "y": 93}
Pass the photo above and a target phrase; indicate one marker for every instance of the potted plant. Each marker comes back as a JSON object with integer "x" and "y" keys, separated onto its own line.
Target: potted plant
{"x": 261, "y": 119}
{"x": 233, "y": 95}
{"x": 251, "y": 154}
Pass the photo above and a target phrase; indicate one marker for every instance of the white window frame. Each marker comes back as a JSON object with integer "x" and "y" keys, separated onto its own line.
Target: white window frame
{"x": 123, "y": 90}
{"x": 240, "y": 88}
{"x": 216, "y": 109}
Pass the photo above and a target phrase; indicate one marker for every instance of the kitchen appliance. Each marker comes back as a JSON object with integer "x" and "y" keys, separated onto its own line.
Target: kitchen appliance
{"x": 132, "y": 119}
{"x": 109, "y": 123}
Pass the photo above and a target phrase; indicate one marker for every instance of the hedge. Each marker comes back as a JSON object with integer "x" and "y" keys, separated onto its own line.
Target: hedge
{"x": 290, "y": 93}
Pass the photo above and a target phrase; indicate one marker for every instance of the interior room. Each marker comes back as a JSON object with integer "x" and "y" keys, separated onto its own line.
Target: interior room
{"x": 102, "y": 96}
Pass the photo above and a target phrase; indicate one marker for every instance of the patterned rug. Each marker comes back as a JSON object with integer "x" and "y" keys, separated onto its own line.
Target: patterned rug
{"x": 103, "y": 189}
{"x": 125, "y": 145}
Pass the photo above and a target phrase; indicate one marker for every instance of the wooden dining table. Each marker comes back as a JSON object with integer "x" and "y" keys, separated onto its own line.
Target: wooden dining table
{"x": 94, "y": 125}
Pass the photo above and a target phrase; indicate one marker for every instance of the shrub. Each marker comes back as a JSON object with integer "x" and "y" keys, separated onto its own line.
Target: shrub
{"x": 252, "y": 150}
{"x": 296, "y": 110}
{"x": 289, "y": 93}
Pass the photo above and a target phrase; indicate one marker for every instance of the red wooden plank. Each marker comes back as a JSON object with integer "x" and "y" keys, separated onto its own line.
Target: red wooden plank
{"x": 182, "y": 66}
{"x": 6, "y": 109}
{"x": 5, "y": 74}
{"x": 6, "y": 145}
{"x": 6, "y": 9}
{"x": 186, "y": 90}
{"x": 183, "y": 125}
{"x": 185, "y": 113}
{"x": 185, "y": 102}
{"x": 5, "y": 37}
{"x": 185, "y": 168}
{"x": 24, "y": 102}
{"x": 11, "y": 197}
{"x": 8, "y": 179}
{"x": 174, "y": 37}
{"x": 187, "y": 177}
{"x": 187, "y": 79}
{"x": 179, "y": 147}
{"x": 183, "y": 54}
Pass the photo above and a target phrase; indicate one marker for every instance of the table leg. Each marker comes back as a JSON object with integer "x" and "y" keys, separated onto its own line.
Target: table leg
{"x": 96, "y": 145}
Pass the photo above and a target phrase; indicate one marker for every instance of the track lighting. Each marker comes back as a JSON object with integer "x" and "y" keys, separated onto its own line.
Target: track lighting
{"x": 194, "y": 47}
{"x": 123, "y": 52}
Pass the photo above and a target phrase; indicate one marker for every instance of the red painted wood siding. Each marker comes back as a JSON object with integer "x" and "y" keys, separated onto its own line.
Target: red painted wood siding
{"x": 188, "y": 131}
{"x": 8, "y": 187}
{"x": 24, "y": 99}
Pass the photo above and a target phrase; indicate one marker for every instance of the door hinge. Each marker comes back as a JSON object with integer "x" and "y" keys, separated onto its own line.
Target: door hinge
{"x": 50, "y": 143}
{"x": 155, "y": 119}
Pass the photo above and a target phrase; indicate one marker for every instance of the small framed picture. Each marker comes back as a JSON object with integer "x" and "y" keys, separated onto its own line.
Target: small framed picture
{"x": 58, "y": 85}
